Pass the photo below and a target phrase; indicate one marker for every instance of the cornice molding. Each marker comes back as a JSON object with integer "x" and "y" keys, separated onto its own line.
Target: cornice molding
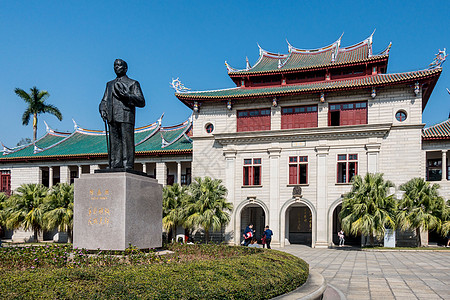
{"x": 305, "y": 134}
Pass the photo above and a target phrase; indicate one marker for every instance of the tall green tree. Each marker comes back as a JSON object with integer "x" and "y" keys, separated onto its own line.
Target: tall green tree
{"x": 25, "y": 208}
{"x": 175, "y": 199}
{"x": 421, "y": 207}
{"x": 58, "y": 207}
{"x": 36, "y": 106}
{"x": 368, "y": 208}
{"x": 209, "y": 208}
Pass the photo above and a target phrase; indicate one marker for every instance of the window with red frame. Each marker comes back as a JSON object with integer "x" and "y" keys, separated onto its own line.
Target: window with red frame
{"x": 347, "y": 114}
{"x": 5, "y": 182}
{"x": 252, "y": 171}
{"x": 253, "y": 120}
{"x": 298, "y": 170}
{"x": 347, "y": 167}
{"x": 299, "y": 117}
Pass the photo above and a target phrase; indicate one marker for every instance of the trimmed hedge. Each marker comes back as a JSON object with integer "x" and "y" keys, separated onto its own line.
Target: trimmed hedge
{"x": 260, "y": 274}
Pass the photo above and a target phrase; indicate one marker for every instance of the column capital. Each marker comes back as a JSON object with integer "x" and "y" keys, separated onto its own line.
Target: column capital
{"x": 322, "y": 149}
{"x": 274, "y": 151}
{"x": 231, "y": 153}
{"x": 375, "y": 147}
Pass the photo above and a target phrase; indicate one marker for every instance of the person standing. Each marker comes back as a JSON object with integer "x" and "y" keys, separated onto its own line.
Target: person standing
{"x": 268, "y": 236}
{"x": 118, "y": 108}
{"x": 341, "y": 238}
{"x": 248, "y": 234}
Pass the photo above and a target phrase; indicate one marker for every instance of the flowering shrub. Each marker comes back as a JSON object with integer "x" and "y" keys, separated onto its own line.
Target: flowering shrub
{"x": 190, "y": 272}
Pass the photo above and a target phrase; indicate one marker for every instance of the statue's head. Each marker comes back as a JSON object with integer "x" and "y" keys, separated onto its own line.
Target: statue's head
{"x": 120, "y": 67}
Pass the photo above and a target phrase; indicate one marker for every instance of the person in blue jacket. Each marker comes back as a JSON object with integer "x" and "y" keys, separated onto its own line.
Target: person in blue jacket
{"x": 268, "y": 236}
{"x": 248, "y": 234}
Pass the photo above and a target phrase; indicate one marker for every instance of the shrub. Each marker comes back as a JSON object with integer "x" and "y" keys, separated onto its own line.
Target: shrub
{"x": 192, "y": 272}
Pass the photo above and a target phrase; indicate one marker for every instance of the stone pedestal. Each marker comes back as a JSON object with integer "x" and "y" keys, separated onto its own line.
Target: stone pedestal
{"x": 115, "y": 209}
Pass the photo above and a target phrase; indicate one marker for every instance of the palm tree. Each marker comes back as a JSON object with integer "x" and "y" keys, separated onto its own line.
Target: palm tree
{"x": 3, "y": 199}
{"x": 421, "y": 206}
{"x": 36, "y": 106}
{"x": 209, "y": 208}
{"x": 367, "y": 208}
{"x": 25, "y": 209}
{"x": 175, "y": 200}
{"x": 58, "y": 207}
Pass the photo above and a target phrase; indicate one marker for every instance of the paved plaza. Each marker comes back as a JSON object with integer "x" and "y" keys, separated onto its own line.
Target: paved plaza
{"x": 381, "y": 274}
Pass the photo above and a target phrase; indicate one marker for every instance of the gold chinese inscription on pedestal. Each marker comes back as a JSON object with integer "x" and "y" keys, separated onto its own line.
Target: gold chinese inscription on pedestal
{"x": 98, "y": 215}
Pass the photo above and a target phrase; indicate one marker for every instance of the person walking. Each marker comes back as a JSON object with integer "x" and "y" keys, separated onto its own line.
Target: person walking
{"x": 267, "y": 236}
{"x": 248, "y": 234}
{"x": 341, "y": 238}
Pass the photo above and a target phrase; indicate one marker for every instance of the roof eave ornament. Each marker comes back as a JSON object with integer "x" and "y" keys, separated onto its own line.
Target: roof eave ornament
{"x": 37, "y": 149}
{"x": 369, "y": 42}
{"x": 438, "y": 60}
{"x": 178, "y": 86}
{"x": 6, "y": 150}
{"x": 75, "y": 125}
{"x": 248, "y": 67}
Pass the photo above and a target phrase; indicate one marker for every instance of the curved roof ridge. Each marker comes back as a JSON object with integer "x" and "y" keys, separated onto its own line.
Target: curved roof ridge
{"x": 38, "y": 149}
{"x": 262, "y": 53}
{"x": 367, "y": 41}
{"x": 7, "y": 150}
{"x": 156, "y": 130}
{"x": 165, "y": 143}
{"x": 316, "y": 50}
{"x": 441, "y": 123}
{"x": 216, "y": 90}
{"x": 177, "y": 126}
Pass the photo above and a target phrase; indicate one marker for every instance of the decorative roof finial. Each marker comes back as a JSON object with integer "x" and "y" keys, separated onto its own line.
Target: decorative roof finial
{"x": 248, "y": 67}
{"x": 178, "y": 86}
{"x": 438, "y": 60}
{"x": 279, "y": 61}
{"x": 75, "y": 125}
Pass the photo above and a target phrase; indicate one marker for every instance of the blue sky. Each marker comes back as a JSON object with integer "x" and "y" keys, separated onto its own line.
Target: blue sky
{"x": 68, "y": 48}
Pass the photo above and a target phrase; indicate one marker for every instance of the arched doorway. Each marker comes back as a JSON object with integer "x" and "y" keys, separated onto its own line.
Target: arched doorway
{"x": 336, "y": 221}
{"x": 253, "y": 214}
{"x": 299, "y": 224}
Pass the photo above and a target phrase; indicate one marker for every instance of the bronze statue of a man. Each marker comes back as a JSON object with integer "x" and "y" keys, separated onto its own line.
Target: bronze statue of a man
{"x": 118, "y": 108}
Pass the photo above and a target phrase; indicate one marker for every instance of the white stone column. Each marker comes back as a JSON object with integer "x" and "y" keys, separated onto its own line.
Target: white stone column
{"x": 50, "y": 176}
{"x": 321, "y": 208}
{"x": 179, "y": 172}
{"x": 64, "y": 173}
{"x": 144, "y": 167}
{"x": 274, "y": 195}
{"x": 372, "y": 157}
{"x": 230, "y": 170}
{"x": 275, "y": 120}
{"x": 444, "y": 165}
{"x": 80, "y": 171}
{"x": 92, "y": 168}
{"x": 161, "y": 173}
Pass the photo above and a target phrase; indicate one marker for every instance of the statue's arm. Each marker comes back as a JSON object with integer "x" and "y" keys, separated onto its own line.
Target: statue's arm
{"x": 102, "y": 106}
{"x": 135, "y": 96}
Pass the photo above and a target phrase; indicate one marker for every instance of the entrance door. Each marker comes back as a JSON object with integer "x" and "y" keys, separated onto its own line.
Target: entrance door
{"x": 300, "y": 225}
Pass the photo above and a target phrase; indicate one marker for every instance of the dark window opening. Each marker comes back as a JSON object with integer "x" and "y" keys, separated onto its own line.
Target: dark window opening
{"x": 335, "y": 119}
{"x": 434, "y": 169}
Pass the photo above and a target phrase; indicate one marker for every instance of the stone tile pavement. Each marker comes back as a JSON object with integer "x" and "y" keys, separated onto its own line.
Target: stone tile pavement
{"x": 381, "y": 275}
